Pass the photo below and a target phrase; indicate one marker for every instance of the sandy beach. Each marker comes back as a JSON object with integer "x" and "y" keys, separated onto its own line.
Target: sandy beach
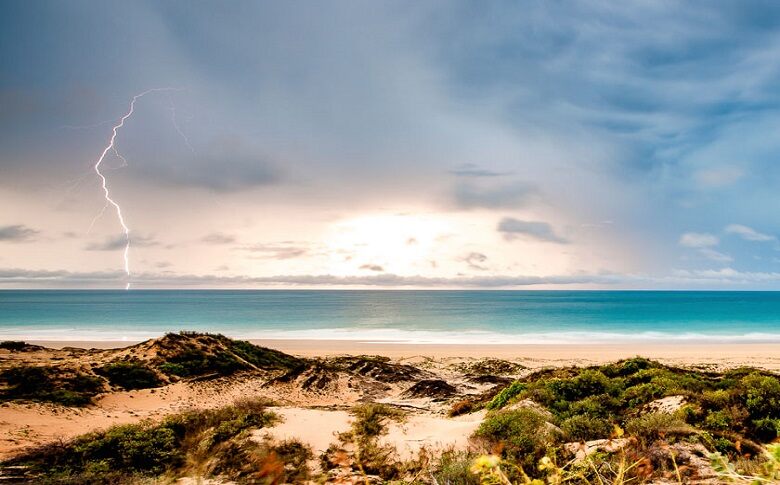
{"x": 720, "y": 355}
{"x": 321, "y": 381}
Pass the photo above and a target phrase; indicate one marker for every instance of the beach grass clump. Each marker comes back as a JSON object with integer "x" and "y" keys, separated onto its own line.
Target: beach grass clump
{"x": 359, "y": 449}
{"x": 130, "y": 375}
{"x": 181, "y": 443}
{"x": 371, "y": 419}
{"x": 58, "y": 385}
{"x": 455, "y": 467}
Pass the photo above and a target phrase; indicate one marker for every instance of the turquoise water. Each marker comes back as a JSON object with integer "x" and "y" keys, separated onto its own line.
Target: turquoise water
{"x": 405, "y": 316}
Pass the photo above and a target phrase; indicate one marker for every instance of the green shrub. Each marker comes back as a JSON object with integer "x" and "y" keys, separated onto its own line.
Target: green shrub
{"x": 762, "y": 395}
{"x": 718, "y": 420}
{"x": 766, "y": 429}
{"x": 588, "y": 383}
{"x": 523, "y": 435}
{"x": 716, "y": 399}
{"x": 146, "y": 448}
{"x": 130, "y": 375}
{"x": 585, "y": 427}
{"x": 650, "y": 427}
{"x": 49, "y": 384}
{"x": 13, "y": 345}
{"x": 502, "y": 398}
{"x": 173, "y": 369}
{"x": 638, "y": 395}
{"x": 261, "y": 356}
{"x": 601, "y": 406}
{"x": 190, "y": 354}
{"x": 195, "y": 362}
{"x": 724, "y": 445}
{"x": 131, "y": 448}
{"x": 627, "y": 367}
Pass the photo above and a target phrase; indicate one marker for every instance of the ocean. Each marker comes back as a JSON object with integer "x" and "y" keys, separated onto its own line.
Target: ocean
{"x": 453, "y": 317}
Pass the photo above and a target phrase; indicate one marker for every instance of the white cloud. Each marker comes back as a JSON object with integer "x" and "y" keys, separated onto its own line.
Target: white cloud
{"x": 713, "y": 178}
{"x": 698, "y": 240}
{"x": 710, "y": 253}
{"x": 748, "y": 233}
{"x": 724, "y": 277}
{"x": 728, "y": 276}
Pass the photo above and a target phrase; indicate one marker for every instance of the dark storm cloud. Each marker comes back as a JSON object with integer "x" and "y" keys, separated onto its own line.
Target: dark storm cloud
{"x": 475, "y": 260}
{"x": 226, "y": 164}
{"x": 541, "y": 231}
{"x": 17, "y": 233}
{"x": 626, "y": 111}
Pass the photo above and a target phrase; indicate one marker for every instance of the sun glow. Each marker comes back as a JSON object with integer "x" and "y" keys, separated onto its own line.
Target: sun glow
{"x": 394, "y": 243}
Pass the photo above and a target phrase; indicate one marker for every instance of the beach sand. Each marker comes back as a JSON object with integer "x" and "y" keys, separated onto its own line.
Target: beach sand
{"x": 24, "y": 425}
{"x": 719, "y": 355}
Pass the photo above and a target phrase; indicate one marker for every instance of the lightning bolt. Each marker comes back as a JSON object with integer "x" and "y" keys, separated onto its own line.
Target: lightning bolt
{"x": 177, "y": 127}
{"x": 111, "y": 148}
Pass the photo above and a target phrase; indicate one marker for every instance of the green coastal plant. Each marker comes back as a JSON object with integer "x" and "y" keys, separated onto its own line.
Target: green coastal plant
{"x": 743, "y": 401}
{"x": 130, "y": 375}
{"x": 13, "y": 345}
{"x": 522, "y": 435}
{"x": 177, "y": 444}
{"x": 49, "y": 384}
{"x": 502, "y": 398}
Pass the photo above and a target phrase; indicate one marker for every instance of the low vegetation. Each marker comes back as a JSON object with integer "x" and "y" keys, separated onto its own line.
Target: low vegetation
{"x": 190, "y": 354}
{"x": 631, "y": 422}
{"x": 130, "y": 375}
{"x": 17, "y": 346}
{"x": 743, "y": 404}
{"x": 359, "y": 451}
{"x": 523, "y": 435}
{"x": 172, "y": 357}
{"x": 66, "y": 386}
{"x": 207, "y": 442}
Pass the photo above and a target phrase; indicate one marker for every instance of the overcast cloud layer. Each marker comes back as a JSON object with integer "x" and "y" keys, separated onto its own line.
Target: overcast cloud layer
{"x": 384, "y": 144}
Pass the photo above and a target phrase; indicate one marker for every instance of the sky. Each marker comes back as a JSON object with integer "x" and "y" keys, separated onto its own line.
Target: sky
{"x": 352, "y": 144}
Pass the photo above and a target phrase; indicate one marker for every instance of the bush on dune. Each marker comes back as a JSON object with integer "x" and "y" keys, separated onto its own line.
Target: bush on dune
{"x": 49, "y": 384}
{"x": 653, "y": 426}
{"x": 15, "y": 345}
{"x": 191, "y": 441}
{"x": 371, "y": 419}
{"x": 130, "y": 375}
{"x": 523, "y": 435}
{"x": 190, "y": 354}
{"x": 584, "y": 427}
{"x": 743, "y": 401}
